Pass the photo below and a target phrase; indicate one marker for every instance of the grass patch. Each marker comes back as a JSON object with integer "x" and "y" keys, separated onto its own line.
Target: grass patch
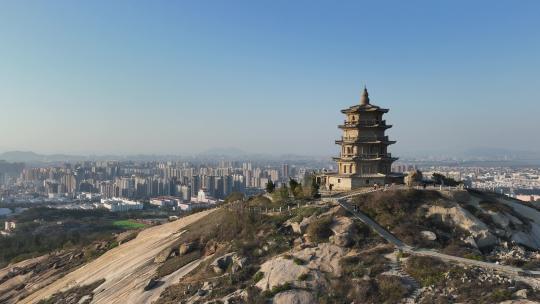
{"x": 391, "y": 290}
{"x": 277, "y": 289}
{"x": 128, "y": 224}
{"x": 473, "y": 256}
{"x": 177, "y": 262}
{"x": 426, "y": 270}
{"x": 301, "y": 213}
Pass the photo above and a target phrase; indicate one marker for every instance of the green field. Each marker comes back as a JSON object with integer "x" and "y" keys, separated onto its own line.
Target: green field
{"x": 128, "y": 224}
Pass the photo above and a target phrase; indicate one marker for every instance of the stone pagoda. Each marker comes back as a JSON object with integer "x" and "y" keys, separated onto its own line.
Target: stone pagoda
{"x": 364, "y": 159}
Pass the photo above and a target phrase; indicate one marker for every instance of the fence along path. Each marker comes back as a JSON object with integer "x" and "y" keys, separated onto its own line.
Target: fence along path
{"x": 240, "y": 206}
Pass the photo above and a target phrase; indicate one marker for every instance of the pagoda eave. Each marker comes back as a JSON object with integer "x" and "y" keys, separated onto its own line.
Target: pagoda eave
{"x": 360, "y": 110}
{"x": 388, "y": 142}
{"x": 359, "y": 126}
{"x": 360, "y": 158}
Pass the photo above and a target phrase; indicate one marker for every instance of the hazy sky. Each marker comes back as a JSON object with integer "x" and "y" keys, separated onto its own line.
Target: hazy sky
{"x": 174, "y": 77}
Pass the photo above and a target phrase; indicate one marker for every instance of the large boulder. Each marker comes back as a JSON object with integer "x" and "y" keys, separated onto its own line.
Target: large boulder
{"x": 210, "y": 248}
{"x": 294, "y": 296}
{"x": 463, "y": 219}
{"x": 239, "y": 296}
{"x": 163, "y": 255}
{"x": 221, "y": 264}
{"x": 300, "y": 227}
{"x": 521, "y": 294}
{"x": 343, "y": 228}
{"x": 278, "y": 271}
{"x": 186, "y": 247}
{"x": 324, "y": 257}
{"x": 428, "y": 235}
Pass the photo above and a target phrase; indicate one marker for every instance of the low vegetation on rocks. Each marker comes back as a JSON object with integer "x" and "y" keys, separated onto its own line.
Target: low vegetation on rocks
{"x": 465, "y": 223}
{"x": 448, "y": 283}
{"x": 319, "y": 253}
{"x": 75, "y": 295}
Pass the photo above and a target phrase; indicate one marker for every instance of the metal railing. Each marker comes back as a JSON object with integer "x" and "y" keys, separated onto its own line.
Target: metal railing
{"x": 365, "y": 123}
{"x": 367, "y": 156}
{"x": 361, "y": 139}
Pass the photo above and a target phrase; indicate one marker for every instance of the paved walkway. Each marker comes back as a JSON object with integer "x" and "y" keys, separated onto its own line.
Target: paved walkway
{"x": 527, "y": 276}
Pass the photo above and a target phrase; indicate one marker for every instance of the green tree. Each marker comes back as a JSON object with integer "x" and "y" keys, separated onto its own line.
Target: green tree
{"x": 270, "y": 186}
{"x": 284, "y": 192}
{"x": 298, "y": 191}
{"x": 293, "y": 184}
{"x": 315, "y": 188}
{"x": 440, "y": 179}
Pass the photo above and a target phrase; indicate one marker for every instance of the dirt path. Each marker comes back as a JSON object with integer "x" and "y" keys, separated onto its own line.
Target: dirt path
{"x": 126, "y": 268}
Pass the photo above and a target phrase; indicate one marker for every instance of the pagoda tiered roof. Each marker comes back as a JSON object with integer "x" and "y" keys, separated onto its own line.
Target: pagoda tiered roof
{"x": 364, "y": 108}
{"x": 364, "y": 105}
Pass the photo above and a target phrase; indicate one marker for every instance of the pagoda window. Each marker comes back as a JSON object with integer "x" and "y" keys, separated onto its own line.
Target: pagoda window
{"x": 351, "y": 168}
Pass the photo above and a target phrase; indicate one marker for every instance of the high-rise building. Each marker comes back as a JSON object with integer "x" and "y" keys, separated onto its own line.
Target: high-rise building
{"x": 185, "y": 193}
{"x": 285, "y": 172}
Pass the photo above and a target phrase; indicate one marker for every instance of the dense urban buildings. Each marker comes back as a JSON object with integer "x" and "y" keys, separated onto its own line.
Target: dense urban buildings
{"x": 160, "y": 183}
{"x": 521, "y": 182}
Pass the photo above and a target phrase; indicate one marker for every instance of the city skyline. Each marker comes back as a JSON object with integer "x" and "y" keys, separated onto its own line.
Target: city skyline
{"x": 183, "y": 78}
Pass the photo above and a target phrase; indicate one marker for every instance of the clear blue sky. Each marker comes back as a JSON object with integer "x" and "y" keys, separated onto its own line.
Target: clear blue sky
{"x": 265, "y": 76}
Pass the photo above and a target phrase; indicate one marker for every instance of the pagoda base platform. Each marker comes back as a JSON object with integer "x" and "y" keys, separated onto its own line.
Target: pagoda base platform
{"x": 337, "y": 182}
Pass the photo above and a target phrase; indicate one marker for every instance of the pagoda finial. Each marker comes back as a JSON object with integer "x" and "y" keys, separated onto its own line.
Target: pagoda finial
{"x": 364, "y": 100}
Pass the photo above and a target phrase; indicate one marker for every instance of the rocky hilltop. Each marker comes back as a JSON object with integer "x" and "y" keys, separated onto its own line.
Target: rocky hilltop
{"x": 396, "y": 246}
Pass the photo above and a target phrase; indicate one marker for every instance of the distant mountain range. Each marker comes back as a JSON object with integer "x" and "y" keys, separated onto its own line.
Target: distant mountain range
{"x": 28, "y": 156}
{"x": 475, "y": 154}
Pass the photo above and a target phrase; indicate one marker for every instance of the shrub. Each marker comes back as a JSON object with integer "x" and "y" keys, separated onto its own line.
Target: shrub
{"x": 391, "y": 208}
{"x": 352, "y": 267}
{"x": 531, "y": 265}
{"x": 319, "y": 230}
{"x": 258, "y": 276}
{"x": 500, "y": 295}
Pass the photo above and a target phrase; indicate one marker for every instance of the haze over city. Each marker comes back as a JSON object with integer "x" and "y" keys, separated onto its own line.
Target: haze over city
{"x": 184, "y": 77}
